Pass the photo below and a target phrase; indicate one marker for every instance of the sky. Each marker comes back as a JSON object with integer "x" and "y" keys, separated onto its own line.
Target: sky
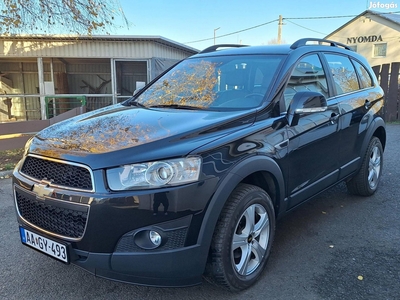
{"x": 249, "y": 22}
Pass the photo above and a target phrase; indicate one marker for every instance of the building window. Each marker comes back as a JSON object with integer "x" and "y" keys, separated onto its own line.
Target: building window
{"x": 380, "y": 50}
{"x": 353, "y": 47}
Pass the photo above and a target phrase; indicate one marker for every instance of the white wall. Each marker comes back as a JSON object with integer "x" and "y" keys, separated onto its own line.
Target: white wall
{"x": 367, "y": 28}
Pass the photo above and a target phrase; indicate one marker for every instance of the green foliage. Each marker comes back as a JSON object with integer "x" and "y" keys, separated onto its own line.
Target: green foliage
{"x": 9, "y": 158}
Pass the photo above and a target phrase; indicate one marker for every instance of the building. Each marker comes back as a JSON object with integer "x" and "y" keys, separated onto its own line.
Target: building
{"x": 374, "y": 35}
{"x": 43, "y": 76}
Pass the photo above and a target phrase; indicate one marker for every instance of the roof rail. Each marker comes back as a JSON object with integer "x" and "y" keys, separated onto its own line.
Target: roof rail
{"x": 215, "y": 47}
{"x": 303, "y": 42}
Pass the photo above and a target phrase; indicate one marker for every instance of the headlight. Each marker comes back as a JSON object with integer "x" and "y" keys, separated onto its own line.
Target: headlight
{"x": 154, "y": 174}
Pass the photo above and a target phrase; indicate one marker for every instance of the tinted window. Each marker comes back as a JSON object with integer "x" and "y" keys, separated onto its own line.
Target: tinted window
{"x": 308, "y": 75}
{"x": 365, "y": 77}
{"x": 344, "y": 74}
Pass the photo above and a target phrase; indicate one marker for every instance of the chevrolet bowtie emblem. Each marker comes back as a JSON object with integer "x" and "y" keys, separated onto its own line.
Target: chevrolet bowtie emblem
{"x": 42, "y": 189}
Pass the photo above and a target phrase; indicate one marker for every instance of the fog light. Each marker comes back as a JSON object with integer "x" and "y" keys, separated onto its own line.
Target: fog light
{"x": 155, "y": 238}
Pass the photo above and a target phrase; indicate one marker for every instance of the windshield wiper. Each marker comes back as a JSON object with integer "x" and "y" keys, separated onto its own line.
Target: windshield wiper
{"x": 176, "y": 106}
{"x": 133, "y": 102}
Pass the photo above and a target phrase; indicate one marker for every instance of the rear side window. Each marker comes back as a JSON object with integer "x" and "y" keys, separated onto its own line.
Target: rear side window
{"x": 363, "y": 74}
{"x": 344, "y": 74}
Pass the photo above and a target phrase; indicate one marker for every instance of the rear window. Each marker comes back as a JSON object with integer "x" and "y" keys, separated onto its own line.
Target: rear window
{"x": 365, "y": 77}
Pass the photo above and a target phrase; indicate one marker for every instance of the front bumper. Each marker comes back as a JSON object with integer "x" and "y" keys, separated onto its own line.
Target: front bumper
{"x": 109, "y": 244}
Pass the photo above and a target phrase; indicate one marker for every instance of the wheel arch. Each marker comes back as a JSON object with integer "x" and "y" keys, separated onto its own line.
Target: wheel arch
{"x": 261, "y": 171}
{"x": 380, "y": 132}
{"x": 377, "y": 128}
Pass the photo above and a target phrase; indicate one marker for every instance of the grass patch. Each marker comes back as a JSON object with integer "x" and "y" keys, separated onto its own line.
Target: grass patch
{"x": 9, "y": 158}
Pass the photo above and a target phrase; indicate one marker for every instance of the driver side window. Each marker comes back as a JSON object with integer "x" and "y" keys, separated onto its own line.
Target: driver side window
{"x": 308, "y": 75}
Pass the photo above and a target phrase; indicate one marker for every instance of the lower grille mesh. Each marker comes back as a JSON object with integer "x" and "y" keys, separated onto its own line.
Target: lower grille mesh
{"x": 62, "y": 221}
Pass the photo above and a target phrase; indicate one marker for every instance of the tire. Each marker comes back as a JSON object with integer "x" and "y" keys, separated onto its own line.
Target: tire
{"x": 243, "y": 237}
{"x": 366, "y": 181}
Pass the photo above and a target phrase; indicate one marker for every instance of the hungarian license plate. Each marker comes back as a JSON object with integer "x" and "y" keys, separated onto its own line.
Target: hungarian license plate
{"x": 45, "y": 245}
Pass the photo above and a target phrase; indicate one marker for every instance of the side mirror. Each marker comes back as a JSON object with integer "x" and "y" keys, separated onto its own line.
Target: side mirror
{"x": 305, "y": 103}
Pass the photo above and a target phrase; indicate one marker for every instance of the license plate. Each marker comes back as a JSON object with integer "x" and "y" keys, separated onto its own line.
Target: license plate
{"x": 45, "y": 245}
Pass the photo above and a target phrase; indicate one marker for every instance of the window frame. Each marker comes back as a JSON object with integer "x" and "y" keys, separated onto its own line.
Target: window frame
{"x": 362, "y": 86}
{"x": 284, "y": 104}
{"x": 332, "y": 77}
{"x": 374, "y": 55}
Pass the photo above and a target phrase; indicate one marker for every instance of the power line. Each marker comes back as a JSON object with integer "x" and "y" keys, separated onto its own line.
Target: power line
{"x": 298, "y": 18}
{"x": 313, "y": 18}
{"x": 331, "y": 17}
{"x": 305, "y": 27}
{"x": 232, "y": 32}
{"x": 310, "y": 18}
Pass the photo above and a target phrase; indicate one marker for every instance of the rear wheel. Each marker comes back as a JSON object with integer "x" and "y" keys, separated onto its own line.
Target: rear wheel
{"x": 243, "y": 237}
{"x": 366, "y": 182}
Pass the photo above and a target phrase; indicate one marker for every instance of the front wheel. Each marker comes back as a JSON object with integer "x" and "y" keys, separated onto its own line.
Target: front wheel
{"x": 366, "y": 181}
{"x": 243, "y": 237}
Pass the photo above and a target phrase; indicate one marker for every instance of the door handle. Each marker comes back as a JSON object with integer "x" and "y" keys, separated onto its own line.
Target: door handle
{"x": 334, "y": 118}
{"x": 367, "y": 104}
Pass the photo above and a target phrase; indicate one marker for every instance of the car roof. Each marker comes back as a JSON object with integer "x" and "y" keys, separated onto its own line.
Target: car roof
{"x": 304, "y": 44}
{"x": 223, "y": 50}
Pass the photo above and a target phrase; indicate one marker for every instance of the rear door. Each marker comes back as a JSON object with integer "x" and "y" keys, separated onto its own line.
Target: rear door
{"x": 354, "y": 90}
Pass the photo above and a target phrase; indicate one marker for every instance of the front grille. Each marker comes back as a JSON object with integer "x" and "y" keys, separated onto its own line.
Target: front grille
{"x": 61, "y": 174}
{"x": 69, "y": 222}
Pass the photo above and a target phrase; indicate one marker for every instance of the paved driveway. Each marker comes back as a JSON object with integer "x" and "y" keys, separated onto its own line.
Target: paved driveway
{"x": 336, "y": 246}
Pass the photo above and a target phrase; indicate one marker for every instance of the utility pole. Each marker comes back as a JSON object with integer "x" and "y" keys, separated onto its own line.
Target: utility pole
{"x": 280, "y": 23}
{"x": 214, "y": 33}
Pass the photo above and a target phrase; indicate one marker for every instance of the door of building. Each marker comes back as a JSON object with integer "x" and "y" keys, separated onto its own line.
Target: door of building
{"x": 129, "y": 76}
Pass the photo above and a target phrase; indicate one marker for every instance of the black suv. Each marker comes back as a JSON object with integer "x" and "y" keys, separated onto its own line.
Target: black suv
{"x": 195, "y": 169}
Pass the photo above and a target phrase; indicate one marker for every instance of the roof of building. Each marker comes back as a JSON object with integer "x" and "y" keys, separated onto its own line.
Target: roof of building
{"x": 109, "y": 38}
{"x": 393, "y": 17}
{"x": 390, "y": 16}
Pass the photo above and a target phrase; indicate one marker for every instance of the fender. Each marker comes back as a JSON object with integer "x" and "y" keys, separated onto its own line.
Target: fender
{"x": 231, "y": 180}
{"x": 375, "y": 124}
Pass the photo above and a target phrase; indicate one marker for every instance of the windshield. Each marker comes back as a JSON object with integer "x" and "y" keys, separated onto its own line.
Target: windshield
{"x": 213, "y": 83}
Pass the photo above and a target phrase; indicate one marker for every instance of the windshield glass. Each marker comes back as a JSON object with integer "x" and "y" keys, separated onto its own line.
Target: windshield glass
{"x": 214, "y": 83}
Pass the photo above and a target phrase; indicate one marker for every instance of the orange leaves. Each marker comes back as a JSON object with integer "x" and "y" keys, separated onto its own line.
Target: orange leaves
{"x": 191, "y": 84}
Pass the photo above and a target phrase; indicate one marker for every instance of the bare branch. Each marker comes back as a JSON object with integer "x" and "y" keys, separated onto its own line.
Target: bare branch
{"x": 55, "y": 16}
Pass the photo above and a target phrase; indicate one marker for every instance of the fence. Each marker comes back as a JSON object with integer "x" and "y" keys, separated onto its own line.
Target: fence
{"x": 388, "y": 75}
{"x": 56, "y": 105}
{"x": 14, "y": 135}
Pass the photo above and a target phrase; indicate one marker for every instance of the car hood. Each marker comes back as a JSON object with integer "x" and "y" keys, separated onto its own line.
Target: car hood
{"x": 134, "y": 131}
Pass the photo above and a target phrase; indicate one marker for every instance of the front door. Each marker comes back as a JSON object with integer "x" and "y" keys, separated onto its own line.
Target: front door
{"x": 313, "y": 142}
